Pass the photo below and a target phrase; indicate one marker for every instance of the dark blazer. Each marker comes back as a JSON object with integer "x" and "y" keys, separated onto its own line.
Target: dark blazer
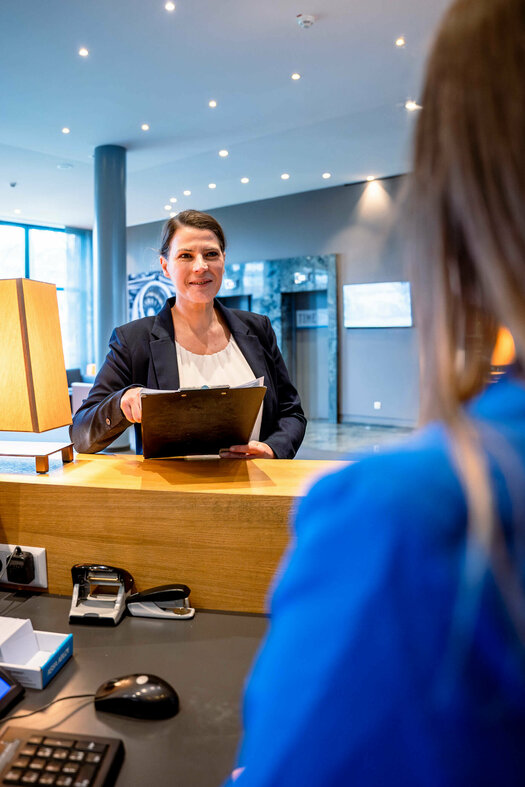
{"x": 143, "y": 353}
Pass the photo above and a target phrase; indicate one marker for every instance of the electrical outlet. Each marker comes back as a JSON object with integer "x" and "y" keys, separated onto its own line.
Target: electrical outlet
{"x": 39, "y": 556}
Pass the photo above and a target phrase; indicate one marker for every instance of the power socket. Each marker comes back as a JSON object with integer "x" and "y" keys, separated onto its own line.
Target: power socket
{"x": 39, "y": 556}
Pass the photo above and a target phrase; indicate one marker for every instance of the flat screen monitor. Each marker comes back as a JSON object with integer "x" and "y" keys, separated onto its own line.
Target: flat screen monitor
{"x": 383, "y": 304}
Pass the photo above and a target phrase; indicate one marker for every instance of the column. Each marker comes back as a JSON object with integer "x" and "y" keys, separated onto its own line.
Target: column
{"x": 109, "y": 245}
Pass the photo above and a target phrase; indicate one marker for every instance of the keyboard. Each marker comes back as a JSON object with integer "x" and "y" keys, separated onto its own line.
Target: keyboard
{"x": 59, "y": 759}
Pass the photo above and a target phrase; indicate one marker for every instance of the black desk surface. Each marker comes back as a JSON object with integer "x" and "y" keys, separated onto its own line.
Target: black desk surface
{"x": 205, "y": 659}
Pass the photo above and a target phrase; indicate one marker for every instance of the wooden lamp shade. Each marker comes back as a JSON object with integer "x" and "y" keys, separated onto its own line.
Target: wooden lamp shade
{"x": 33, "y": 384}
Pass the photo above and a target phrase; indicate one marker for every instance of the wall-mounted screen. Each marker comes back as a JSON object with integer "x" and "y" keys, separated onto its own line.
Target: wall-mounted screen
{"x": 383, "y": 304}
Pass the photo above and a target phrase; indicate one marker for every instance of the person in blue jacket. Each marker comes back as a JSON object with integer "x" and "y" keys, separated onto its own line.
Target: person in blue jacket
{"x": 396, "y": 648}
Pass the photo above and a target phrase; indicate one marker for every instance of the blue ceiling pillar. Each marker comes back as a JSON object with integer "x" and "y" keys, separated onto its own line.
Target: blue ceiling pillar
{"x": 109, "y": 245}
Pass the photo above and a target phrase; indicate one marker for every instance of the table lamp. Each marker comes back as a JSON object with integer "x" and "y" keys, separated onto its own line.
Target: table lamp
{"x": 33, "y": 384}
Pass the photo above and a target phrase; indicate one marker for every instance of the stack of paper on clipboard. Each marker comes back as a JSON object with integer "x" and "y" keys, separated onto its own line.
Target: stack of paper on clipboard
{"x": 193, "y": 422}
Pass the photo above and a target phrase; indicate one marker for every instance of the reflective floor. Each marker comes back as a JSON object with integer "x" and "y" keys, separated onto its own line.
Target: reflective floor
{"x": 336, "y": 441}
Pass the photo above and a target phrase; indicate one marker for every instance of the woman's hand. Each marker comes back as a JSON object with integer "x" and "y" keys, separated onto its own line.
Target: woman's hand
{"x": 131, "y": 405}
{"x": 254, "y": 450}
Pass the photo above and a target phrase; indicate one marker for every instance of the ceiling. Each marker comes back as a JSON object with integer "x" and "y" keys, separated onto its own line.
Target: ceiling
{"x": 346, "y": 114}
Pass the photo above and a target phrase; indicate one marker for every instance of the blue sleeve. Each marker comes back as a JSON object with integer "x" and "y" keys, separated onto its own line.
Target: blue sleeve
{"x": 339, "y": 683}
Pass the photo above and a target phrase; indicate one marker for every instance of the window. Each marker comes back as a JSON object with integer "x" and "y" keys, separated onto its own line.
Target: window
{"x": 61, "y": 257}
{"x": 12, "y": 252}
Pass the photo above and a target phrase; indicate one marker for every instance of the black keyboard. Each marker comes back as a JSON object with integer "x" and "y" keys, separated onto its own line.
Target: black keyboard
{"x": 59, "y": 759}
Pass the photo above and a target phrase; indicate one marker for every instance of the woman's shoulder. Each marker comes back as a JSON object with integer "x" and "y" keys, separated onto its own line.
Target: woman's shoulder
{"x": 159, "y": 324}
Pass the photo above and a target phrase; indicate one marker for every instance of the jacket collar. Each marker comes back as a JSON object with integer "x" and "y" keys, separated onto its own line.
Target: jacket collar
{"x": 164, "y": 353}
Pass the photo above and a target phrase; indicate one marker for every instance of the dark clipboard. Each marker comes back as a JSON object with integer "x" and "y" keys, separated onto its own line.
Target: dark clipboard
{"x": 199, "y": 421}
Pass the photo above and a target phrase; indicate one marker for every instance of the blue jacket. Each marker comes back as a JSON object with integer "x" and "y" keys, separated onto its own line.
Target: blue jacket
{"x": 143, "y": 353}
{"x": 381, "y": 665}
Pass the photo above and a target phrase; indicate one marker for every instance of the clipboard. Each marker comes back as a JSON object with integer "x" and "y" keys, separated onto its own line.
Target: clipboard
{"x": 198, "y": 421}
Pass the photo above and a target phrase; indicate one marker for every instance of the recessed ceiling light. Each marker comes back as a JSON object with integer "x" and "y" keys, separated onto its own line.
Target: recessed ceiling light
{"x": 65, "y": 130}
{"x": 400, "y": 42}
{"x": 212, "y": 185}
{"x": 245, "y": 180}
{"x": 170, "y": 6}
{"x": 296, "y": 76}
{"x": 167, "y": 207}
{"x": 173, "y": 199}
{"x": 145, "y": 127}
{"x": 17, "y": 210}
{"x": 212, "y": 103}
{"x": 223, "y": 153}
{"x": 326, "y": 175}
{"x": 172, "y": 215}
{"x": 285, "y": 176}
{"x": 65, "y": 165}
{"x": 370, "y": 178}
{"x": 83, "y": 52}
{"x": 187, "y": 193}
{"x": 412, "y": 105}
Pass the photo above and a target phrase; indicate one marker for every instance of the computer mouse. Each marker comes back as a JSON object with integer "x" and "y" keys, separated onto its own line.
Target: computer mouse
{"x": 142, "y": 696}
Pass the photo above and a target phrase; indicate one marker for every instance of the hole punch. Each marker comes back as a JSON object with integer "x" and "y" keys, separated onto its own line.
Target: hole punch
{"x": 99, "y": 594}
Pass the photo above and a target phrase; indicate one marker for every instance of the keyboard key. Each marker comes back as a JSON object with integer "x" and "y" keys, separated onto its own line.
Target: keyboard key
{"x": 77, "y": 756}
{"x": 44, "y": 751}
{"x": 12, "y": 776}
{"x": 53, "y": 767}
{"x": 85, "y": 776}
{"x": 70, "y": 768}
{"x": 63, "y": 743}
{"x": 21, "y": 762}
{"x": 64, "y": 781}
{"x": 29, "y": 778}
{"x": 35, "y": 739}
{"x": 37, "y": 764}
{"x": 46, "y": 779}
{"x": 90, "y": 746}
{"x": 29, "y": 749}
{"x": 93, "y": 757}
{"x": 60, "y": 754}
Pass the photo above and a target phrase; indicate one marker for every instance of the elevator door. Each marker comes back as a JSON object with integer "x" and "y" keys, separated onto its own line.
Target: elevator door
{"x": 305, "y": 336}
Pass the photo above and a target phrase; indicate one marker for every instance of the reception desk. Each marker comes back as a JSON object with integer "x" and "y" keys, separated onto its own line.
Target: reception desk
{"x": 220, "y": 526}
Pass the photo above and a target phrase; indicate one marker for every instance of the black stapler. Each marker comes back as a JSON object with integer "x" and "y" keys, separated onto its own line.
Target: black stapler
{"x": 99, "y": 594}
{"x": 164, "y": 601}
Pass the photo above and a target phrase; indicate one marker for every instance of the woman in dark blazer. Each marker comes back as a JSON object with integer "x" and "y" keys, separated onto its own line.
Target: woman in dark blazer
{"x": 143, "y": 353}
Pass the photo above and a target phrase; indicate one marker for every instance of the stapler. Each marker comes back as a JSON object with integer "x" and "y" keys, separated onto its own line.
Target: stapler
{"x": 164, "y": 601}
{"x": 99, "y": 594}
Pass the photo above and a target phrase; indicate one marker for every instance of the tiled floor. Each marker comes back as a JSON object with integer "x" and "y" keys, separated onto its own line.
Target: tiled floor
{"x": 336, "y": 441}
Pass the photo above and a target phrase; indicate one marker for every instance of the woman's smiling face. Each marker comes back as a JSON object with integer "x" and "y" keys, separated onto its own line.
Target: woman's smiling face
{"x": 195, "y": 264}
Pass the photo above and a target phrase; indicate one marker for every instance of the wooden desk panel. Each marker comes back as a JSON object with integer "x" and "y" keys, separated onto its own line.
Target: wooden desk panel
{"x": 219, "y": 526}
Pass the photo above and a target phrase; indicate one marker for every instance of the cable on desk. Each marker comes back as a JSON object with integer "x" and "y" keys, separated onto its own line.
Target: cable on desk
{"x": 45, "y": 707}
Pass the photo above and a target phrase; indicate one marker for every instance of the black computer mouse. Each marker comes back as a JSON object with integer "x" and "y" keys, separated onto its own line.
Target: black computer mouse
{"x": 142, "y": 696}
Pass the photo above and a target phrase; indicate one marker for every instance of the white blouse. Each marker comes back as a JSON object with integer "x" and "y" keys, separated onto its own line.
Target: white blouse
{"x": 227, "y": 367}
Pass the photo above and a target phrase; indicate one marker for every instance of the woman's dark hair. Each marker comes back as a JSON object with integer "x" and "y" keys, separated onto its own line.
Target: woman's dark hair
{"x": 190, "y": 218}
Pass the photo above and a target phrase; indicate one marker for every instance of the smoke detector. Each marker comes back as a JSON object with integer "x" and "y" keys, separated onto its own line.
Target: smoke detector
{"x": 305, "y": 20}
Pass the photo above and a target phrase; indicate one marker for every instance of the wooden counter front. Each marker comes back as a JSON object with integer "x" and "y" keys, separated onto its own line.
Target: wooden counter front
{"x": 220, "y": 526}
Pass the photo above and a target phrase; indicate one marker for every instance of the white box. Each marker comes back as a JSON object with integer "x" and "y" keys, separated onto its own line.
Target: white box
{"x": 32, "y": 657}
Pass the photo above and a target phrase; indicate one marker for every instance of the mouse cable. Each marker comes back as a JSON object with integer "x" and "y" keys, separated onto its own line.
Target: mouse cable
{"x": 45, "y": 707}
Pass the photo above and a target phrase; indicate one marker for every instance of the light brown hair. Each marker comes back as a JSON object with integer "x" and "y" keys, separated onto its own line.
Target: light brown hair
{"x": 467, "y": 207}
